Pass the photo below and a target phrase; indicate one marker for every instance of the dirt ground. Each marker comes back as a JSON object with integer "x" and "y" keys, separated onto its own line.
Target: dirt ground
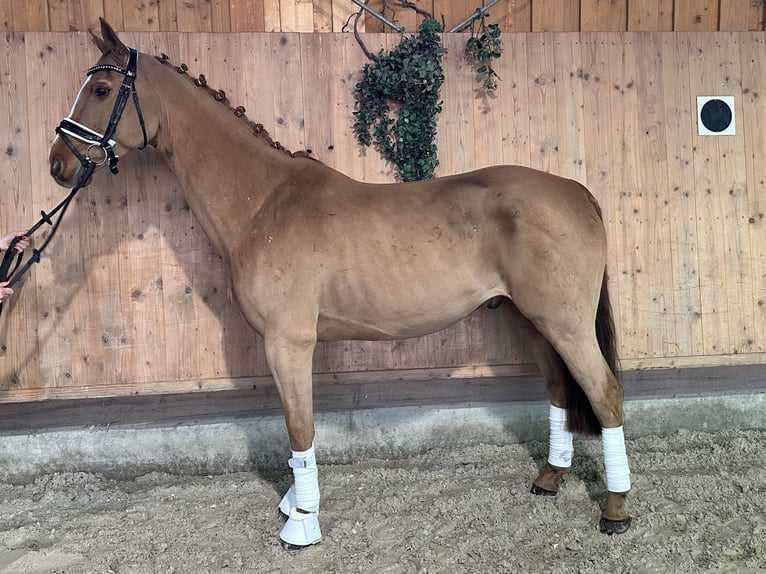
{"x": 698, "y": 501}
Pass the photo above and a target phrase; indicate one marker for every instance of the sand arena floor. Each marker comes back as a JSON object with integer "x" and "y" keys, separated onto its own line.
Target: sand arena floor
{"x": 698, "y": 501}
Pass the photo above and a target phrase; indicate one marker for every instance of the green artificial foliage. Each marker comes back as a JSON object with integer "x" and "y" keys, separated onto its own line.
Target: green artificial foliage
{"x": 481, "y": 49}
{"x": 397, "y": 101}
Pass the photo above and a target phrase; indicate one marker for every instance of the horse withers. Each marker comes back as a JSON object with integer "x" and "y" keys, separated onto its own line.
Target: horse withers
{"x": 316, "y": 256}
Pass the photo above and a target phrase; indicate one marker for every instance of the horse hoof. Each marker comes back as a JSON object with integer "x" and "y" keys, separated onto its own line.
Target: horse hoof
{"x": 540, "y": 491}
{"x": 609, "y": 527}
{"x": 301, "y": 530}
{"x": 295, "y": 547}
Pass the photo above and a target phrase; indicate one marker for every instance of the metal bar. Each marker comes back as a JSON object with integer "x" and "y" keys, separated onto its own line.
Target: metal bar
{"x": 475, "y": 16}
{"x": 380, "y": 17}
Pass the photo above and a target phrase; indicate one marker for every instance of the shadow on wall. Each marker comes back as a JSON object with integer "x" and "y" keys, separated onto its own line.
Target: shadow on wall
{"x": 137, "y": 289}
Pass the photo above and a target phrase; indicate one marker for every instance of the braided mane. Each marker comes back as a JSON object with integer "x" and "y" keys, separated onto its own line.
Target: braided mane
{"x": 239, "y": 111}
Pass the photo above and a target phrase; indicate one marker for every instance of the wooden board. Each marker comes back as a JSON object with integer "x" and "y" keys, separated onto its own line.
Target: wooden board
{"x": 113, "y": 13}
{"x": 741, "y": 15}
{"x": 322, "y": 16}
{"x": 513, "y": 100}
{"x": 653, "y": 233}
{"x": 6, "y": 15}
{"x": 455, "y": 137}
{"x": 698, "y": 16}
{"x": 650, "y": 15}
{"x": 600, "y": 149}
{"x": 193, "y": 16}
{"x": 732, "y": 187}
{"x": 603, "y": 15}
{"x": 680, "y": 122}
{"x": 141, "y": 16}
{"x": 541, "y": 99}
{"x": 704, "y": 80}
{"x": 246, "y": 17}
{"x": 753, "y": 74}
{"x": 570, "y": 120}
{"x": 555, "y": 15}
{"x": 30, "y": 15}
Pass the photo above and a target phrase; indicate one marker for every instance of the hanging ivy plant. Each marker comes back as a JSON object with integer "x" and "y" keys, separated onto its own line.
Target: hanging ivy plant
{"x": 397, "y": 101}
{"x": 483, "y": 47}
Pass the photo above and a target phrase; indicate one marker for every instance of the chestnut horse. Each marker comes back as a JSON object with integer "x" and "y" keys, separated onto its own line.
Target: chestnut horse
{"x": 316, "y": 256}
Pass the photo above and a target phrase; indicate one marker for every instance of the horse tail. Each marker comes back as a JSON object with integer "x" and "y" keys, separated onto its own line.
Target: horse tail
{"x": 581, "y": 418}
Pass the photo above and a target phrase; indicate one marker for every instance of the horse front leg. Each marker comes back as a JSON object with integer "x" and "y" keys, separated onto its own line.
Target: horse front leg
{"x": 290, "y": 361}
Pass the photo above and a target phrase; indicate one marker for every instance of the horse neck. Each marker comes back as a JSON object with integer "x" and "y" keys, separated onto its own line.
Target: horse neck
{"x": 225, "y": 170}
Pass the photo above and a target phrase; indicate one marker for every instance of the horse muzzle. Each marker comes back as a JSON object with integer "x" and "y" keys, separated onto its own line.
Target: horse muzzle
{"x": 66, "y": 173}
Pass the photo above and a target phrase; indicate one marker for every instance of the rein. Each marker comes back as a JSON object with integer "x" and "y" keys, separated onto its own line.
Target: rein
{"x": 67, "y": 129}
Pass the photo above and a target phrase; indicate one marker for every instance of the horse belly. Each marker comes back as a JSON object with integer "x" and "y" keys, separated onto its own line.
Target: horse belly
{"x": 400, "y": 305}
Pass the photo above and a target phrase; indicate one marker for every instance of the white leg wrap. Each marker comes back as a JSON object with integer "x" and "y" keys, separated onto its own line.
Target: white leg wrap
{"x": 306, "y": 476}
{"x": 302, "y": 528}
{"x": 560, "y": 448}
{"x": 615, "y": 460}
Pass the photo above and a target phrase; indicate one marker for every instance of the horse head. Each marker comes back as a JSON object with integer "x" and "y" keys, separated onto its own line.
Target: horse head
{"x": 97, "y": 132}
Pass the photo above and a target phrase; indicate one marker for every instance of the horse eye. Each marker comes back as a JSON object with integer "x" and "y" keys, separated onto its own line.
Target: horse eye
{"x": 101, "y": 91}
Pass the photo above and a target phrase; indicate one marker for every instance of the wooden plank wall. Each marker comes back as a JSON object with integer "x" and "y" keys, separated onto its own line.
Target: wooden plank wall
{"x": 332, "y": 15}
{"x": 131, "y": 298}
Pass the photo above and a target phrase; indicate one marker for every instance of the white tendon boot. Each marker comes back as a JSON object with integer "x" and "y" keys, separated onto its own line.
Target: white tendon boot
{"x": 287, "y": 503}
{"x": 302, "y": 526}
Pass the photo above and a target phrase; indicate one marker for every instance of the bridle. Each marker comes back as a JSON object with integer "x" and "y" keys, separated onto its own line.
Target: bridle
{"x": 67, "y": 129}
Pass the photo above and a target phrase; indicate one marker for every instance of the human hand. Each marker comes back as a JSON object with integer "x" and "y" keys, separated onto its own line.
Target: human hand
{"x": 5, "y": 241}
{"x": 4, "y": 291}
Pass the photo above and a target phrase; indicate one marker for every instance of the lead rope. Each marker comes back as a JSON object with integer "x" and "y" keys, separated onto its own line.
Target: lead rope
{"x": 14, "y": 275}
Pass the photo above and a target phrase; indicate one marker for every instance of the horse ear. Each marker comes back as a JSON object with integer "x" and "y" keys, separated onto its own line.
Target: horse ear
{"x": 109, "y": 42}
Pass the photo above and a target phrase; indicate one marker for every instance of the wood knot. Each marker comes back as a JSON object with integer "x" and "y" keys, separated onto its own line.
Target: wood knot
{"x": 201, "y": 81}
{"x": 182, "y": 69}
{"x": 239, "y": 111}
{"x": 220, "y": 95}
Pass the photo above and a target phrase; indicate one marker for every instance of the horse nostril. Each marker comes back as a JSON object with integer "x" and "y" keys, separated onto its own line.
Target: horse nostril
{"x": 56, "y": 167}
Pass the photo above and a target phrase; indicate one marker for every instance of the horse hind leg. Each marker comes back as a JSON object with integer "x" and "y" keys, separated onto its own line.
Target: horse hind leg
{"x": 589, "y": 357}
{"x": 587, "y": 364}
{"x": 556, "y": 377}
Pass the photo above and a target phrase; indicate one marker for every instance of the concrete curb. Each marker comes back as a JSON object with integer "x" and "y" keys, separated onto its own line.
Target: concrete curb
{"x": 261, "y": 443}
